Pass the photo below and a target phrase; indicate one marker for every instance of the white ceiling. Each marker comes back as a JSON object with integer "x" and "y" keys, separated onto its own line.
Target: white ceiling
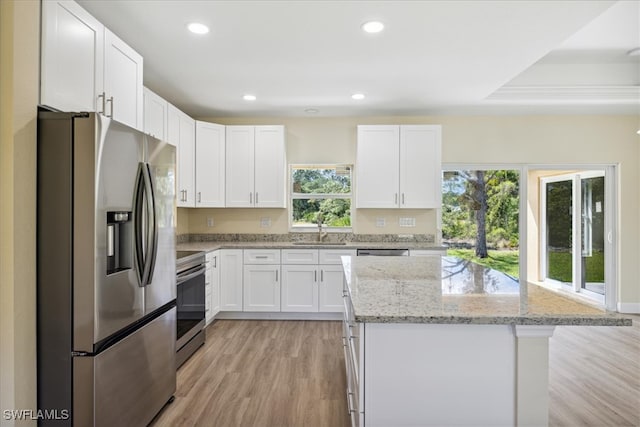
{"x": 433, "y": 56}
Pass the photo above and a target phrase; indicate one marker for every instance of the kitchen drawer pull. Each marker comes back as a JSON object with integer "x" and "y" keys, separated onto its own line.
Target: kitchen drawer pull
{"x": 322, "y": 276}
{"x": 261, "y": 257}
{"x": 215, "y": 262}
{"x": 199, "y": 197}
{"x": 257, "y": 198}
{"x": 403, "y": 198}
{"x": 315, "y": 276}
{"x": 250, "y": 198}
{"x": 396, "y": 199}
{"x": 276, "y": 275}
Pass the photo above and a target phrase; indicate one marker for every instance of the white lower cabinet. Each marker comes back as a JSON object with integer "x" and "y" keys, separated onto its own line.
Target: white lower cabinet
{"x": 299, "y": 288}
{"x": 330, "y": 288}
{"x": 231, "y": 280}
{"x": 311, "y": 287}
{"x": 212, "y": 286}
{"x": 261, "y": 280}
{"x": 261, "y": 287}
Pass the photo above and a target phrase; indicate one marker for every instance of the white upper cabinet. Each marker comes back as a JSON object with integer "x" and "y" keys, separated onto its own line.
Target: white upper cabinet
{"x": 255, "y": 166}
{"x": 398, "y": 166}
{"x": 181, "y": 131}
{"x": 240, "y": 166}
{"x": 270, "y": 184}
{"x": 72, "y": 67}
{"x": 378, "y": 167}
{"x": 420, "y": 167}
{"x": 85, "y": 67}
{"x": 210, "y": 165}
{"x": 155, "y": 115}
{"x": 122, "y": 82}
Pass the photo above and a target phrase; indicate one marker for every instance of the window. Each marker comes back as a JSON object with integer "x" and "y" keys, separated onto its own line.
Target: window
{"x": 320, "y": 192}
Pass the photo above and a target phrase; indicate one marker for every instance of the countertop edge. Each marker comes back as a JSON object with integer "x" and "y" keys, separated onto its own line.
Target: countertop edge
{"x": 490, "y": 320}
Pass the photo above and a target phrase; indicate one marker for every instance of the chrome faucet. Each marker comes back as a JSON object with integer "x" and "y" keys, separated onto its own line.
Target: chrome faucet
{"x": 319, "y": 220}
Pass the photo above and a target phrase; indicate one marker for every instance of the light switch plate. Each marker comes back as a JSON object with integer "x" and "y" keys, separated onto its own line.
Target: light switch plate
{"x": 265, "y": 222}
{"x": 209, "y": 221}
{"x": 380, "y": 222}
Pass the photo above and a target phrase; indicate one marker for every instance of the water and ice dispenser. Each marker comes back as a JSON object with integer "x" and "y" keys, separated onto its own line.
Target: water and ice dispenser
{"x": 119, "y": 241}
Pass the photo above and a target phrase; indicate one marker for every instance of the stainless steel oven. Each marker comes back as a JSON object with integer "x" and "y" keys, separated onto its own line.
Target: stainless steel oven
{"x": 190, "y": 280}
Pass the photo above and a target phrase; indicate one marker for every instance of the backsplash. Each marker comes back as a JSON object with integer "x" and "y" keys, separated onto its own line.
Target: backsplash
{"x": 306, "y": 237}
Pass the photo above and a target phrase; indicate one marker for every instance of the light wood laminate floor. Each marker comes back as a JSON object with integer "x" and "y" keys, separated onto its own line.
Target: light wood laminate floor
{"x": 291, "y": 373}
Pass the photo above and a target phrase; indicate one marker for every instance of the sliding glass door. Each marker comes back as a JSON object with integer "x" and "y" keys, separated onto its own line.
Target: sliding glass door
{"x": 573, "y": 233}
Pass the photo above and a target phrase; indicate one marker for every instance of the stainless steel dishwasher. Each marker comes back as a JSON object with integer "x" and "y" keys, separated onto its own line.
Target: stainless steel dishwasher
{"x": 382, "y": 252}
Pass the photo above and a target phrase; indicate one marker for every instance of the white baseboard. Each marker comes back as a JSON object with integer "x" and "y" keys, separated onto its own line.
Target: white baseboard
{"x": 244, "y": 315}
{"x": 629, "y": 307}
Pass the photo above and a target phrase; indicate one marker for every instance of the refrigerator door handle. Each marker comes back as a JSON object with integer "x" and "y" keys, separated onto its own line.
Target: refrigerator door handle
{"x": 138, "y": 230}
{"x": 153, "y": 235}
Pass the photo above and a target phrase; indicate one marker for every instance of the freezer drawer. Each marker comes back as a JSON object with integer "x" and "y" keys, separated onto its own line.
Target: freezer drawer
{"x": 133, "y": 379}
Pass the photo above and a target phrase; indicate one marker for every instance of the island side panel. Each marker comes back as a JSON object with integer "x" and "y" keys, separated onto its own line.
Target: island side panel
{"x": 432, "y": 374}
{"x": 532, "y": 369}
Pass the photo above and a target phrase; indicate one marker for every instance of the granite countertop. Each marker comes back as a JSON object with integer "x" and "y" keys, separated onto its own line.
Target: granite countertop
{"x": 214, "y": 245}
{"x": 447, "y": 290}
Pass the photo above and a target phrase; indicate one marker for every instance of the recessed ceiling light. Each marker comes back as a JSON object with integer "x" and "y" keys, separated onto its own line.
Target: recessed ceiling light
{"x": 357, "y": 96}
{"x": 634, "y": 52}
{"x": 249, "y": 97}
{"x": 197, "y": 28}
{"x": 311, "y": 111}
{"x": 372, "y": 27}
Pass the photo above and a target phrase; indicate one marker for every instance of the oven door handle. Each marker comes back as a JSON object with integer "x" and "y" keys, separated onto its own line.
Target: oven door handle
{"x": 181, "y": 279}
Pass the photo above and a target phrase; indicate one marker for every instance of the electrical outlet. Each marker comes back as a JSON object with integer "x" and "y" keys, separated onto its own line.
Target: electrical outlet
{"x": 380, "y": 222}
{"x": 407, "y": 222}
{"x": 265, "y": 222}
{"x": 209, "y": 221}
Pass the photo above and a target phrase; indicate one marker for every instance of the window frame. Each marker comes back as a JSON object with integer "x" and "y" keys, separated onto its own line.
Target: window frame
{"x": 297, "y": 196}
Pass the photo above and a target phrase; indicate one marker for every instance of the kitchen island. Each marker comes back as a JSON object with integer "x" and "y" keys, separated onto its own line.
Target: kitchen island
{"x": 436, "y": 340}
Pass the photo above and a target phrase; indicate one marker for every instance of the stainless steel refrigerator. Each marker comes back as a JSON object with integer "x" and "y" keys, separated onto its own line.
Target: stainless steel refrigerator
{"x": 106, "y": 279}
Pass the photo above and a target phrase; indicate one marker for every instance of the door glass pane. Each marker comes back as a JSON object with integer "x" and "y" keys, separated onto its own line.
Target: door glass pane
{"x": 559, "y": 231}
{"x": 593, "y": 234}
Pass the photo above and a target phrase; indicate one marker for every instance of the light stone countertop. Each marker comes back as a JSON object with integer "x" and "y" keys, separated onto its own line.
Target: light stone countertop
{"x": 214, "y": 245}
{"x": 447, "y": 290}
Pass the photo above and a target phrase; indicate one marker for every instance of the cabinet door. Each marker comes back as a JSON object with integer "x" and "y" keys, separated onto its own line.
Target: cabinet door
{"x": 155, "y": 115}
{"x": 377, "y": 167}
{"x": 420, "y": 170}
{"x": 72, "y": 57}
{"x": 215, "y": 282}
{"x": 186, "y": 158}
{"x": 123, "y": 81}
{"x": 330, "y": 289}
{"x": 209, "y": 165}
{"x": 270, "y": 185}
{"x": 240, "y": 169}
{"x": 173, "y": 127}
{"x": 300, "y": 288}
{"x": 231, "y": 280}
{"x": 261, "y": 287}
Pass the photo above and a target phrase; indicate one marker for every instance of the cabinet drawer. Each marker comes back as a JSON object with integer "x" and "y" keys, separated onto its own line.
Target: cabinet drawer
{"x": 300, "y": 256}
{"x": 262, "y": 256}
{"x": 332, "y": 256}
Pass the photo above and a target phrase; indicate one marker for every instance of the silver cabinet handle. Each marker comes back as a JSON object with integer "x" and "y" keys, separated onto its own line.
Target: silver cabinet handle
{"x": 199, "y": 197}
{"x": 257, "y": 198}
{"x": 403, "y": 198}
{"x": 103, "y": 96}
{"x": 250, "y": 198}
{"x": 396, "y": 199}
{"x": 349, "y": 406}
{"x": 315, "y": 276}
{"x": 322, "y": 275}
{"x": 185, "y": 195}
{"x": 215, "y": 262}
{"x": 111, "y": 101}
{"x": 262, "y": 256}
{"x": 276, "y": 275}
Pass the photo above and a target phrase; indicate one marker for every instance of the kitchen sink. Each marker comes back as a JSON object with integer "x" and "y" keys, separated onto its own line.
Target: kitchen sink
{"x": 320, "y": 243}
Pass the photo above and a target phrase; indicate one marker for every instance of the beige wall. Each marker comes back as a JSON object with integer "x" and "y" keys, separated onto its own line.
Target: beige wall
{"x": 19, "y": 79}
